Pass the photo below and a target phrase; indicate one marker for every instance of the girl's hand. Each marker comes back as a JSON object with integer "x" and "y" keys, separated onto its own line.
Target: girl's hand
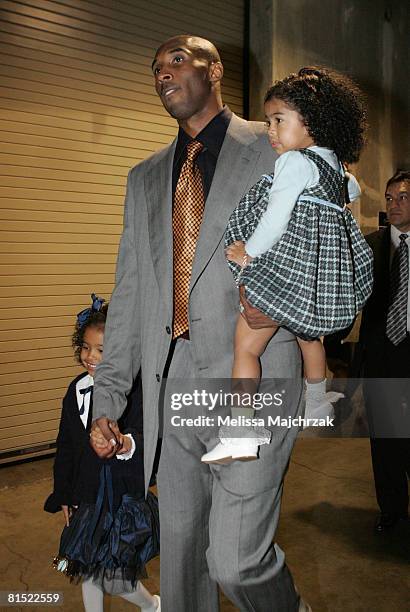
{"x": 97, "y": 438}
{"x": 67, "y": 514}
{"x": 126, "y": 444}
{"x": 236, "y": 252}
{"x": 120, "y": 438}
{"x": 102, "y": 438}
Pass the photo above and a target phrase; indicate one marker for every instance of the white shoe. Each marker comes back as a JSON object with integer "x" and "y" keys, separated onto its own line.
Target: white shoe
{"x": 240, "y": 449}
{"x": 237, "y": 443}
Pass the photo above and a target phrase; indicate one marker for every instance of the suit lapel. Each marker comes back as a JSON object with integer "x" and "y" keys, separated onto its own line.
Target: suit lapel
{"x": 90, "y": 414}
{"x": 385, "y": 249}
{"x": 158, "y": 193}
{"x": 381, "y": 254}
{"x": 236, "y": 162}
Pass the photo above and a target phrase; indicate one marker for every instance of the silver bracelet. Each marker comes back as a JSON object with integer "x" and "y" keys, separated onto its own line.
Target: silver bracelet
{"x": 244, "y": 264}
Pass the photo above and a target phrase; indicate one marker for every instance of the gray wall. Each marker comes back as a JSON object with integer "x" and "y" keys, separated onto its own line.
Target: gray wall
{"x": 368, "y": 39}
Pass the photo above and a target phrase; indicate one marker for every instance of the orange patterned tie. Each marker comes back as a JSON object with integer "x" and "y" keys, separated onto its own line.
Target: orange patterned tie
{"x": 186, "y": 222}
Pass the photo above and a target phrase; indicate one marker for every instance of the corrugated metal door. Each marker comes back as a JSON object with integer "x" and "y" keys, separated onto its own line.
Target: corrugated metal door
{"x": 77, "y": 110}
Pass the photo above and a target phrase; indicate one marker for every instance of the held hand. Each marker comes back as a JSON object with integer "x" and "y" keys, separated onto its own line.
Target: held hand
{"x": 236, "y": 252}
{"x": 97, "y": 439}
{"x": 126, "y": 444}
{"x": 254, "y": 317}
{"x": 120, "y": 437}
{"x": 103, "y": 439}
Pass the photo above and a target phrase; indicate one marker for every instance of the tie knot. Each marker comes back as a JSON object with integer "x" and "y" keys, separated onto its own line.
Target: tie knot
{"x": 403, "y": 238}
{"x": 193, "y": 149}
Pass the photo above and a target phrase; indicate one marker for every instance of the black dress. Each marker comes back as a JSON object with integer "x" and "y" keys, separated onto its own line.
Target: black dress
{"x": 114, "y": 531}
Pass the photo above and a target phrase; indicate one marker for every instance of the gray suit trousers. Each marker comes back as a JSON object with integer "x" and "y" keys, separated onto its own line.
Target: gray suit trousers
{"x": 218, "y": 522}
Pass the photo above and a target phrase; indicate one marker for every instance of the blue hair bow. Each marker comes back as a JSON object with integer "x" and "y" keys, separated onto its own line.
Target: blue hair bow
{"x": 85, "y": 314}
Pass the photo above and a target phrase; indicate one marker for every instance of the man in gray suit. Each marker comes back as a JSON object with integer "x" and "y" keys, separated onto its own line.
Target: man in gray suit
{"x": 217, "y": 522}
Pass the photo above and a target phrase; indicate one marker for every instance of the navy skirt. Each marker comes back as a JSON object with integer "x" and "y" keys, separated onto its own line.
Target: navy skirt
{"x": 110, "y": 546}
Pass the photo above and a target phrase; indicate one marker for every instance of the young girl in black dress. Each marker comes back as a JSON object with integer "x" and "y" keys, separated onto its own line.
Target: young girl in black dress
{"x": 111, "y": 530}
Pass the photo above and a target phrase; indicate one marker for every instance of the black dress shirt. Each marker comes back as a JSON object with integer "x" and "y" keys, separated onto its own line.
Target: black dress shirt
{"x": 212, "y": 137}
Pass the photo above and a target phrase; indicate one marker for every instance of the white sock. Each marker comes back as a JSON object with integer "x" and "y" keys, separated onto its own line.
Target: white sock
{"x": 142, "y": 598}
{"x": 93, "y": 596}
{"x": 315, "y": 394}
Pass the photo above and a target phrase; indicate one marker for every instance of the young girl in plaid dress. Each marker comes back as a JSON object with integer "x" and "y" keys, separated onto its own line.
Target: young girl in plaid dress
{"x": 292, "y": 243}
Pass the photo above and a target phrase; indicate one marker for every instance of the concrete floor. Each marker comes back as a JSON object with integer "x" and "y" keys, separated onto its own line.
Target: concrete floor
{"x": 326, "y": 530}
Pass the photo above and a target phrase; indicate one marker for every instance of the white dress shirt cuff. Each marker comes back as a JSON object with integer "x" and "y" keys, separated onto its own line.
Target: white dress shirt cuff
{"x": 130, "y": 453}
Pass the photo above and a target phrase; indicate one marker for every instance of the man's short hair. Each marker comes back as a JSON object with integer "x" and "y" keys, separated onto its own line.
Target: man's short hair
{"x": 202, "y": 47}
{"x": 398, "y": 177}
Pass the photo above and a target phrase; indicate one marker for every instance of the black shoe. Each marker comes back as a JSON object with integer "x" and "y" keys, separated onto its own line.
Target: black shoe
{"x": 386, "y": 521}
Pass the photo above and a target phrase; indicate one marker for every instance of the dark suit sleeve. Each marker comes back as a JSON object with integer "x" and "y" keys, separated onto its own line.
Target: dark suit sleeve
{"x": 63, "y": 464}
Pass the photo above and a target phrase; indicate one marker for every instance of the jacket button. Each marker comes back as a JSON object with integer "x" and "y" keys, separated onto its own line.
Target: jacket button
{"x": 158, "y": 377}
{"x": 168, "y": 329}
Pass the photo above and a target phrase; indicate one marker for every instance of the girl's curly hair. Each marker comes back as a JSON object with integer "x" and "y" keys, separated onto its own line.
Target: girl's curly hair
{"x": 330, "y": 105}
{"x": 95, "y": 319}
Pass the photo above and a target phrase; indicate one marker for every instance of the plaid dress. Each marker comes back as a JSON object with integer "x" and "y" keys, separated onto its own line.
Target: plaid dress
{"x": 317, "y": 277}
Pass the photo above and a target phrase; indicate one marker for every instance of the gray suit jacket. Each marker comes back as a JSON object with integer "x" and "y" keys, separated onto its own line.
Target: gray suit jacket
{"x": 137, "y": 332}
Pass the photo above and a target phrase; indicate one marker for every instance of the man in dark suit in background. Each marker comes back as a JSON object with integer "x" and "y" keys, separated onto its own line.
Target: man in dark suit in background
{"x": 384, "y": 353}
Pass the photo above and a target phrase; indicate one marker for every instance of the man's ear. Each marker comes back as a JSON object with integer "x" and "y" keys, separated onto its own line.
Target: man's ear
{"x": 216, "y": 72}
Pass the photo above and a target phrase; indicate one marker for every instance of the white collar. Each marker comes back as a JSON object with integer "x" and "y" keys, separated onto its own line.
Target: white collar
{"x": 394, "y": 234}
{"x": 86, "y": 381}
